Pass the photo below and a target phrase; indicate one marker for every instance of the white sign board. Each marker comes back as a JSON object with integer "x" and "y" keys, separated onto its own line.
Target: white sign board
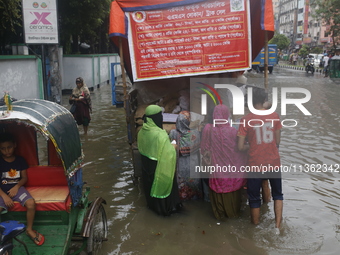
{"x": 40, "y": 21}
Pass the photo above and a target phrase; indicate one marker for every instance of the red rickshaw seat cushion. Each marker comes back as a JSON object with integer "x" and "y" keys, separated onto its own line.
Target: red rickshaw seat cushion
{"x": 48, "y": 186}
{"x": 46, "y": 176}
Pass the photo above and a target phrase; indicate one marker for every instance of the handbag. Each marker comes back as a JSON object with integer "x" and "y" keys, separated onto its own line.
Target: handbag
{"x": 73, "y": 108}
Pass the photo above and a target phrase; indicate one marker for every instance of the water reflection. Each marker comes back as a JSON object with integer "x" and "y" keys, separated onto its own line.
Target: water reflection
{"x": 311, "y": 207}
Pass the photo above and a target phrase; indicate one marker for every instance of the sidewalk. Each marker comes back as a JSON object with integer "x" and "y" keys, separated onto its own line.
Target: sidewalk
{"x": 299, "y": 67}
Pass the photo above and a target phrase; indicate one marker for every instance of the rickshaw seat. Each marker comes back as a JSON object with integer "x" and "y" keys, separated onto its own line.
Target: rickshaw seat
{"x": 46, "y": 176}
{"x": 48, "y": 186}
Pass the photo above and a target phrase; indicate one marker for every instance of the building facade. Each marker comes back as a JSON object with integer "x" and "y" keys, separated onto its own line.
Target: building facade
{"x": 295, "y": 19}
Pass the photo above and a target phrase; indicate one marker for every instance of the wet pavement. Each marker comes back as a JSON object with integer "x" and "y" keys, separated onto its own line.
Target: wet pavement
{"x": 311, "y": 216}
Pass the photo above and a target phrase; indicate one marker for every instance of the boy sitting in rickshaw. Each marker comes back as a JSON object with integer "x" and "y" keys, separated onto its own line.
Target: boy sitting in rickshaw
{"x": 13, "y": 178}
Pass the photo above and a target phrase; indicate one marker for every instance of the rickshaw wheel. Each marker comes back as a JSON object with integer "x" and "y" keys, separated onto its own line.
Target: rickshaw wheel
{"x": 98, "y": 232}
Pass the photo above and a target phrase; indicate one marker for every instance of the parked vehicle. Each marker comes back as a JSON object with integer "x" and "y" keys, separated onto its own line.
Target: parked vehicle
{"x": 258, "y": 63}
{"x": 317, "y": 59}
{"x": 48, "y": 138}
{"x": 334, "y": 70}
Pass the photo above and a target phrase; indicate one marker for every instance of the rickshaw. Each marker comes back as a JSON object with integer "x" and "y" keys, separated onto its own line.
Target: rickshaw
{"x": 47, "y": 137}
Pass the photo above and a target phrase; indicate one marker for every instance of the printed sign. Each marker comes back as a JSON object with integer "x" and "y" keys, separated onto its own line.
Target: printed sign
{"x": 202, "y": 38}
{"x": 40, "y": 21}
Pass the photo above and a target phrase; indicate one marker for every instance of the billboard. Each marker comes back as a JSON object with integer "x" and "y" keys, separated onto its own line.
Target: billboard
{"x": 202, "y": 38}
{"x": 40, "y": 21}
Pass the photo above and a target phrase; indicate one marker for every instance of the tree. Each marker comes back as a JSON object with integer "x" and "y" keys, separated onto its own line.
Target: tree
{"x": 304, "y": 51}
{"x": 316, "y": 50}
{"x": 79, "y": 21}
{"x": 84, "y": 22}
{"x": 328, "y": 11}
{"x": 10, "y": 21}
{"x": 281, "y": 41}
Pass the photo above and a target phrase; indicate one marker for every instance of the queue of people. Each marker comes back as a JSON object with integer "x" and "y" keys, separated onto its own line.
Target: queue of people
{"x": 168, "y": 161}
{"x": 327, "y": 57}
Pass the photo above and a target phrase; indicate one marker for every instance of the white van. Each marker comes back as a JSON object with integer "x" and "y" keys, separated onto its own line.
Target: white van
{"x": 317, "y": 59}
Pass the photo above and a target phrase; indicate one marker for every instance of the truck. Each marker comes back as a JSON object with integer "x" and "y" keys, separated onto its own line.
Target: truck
{"x": 334, "y": 70}
{"x": 167, "y": 88}
{"x": 258, "y": 63}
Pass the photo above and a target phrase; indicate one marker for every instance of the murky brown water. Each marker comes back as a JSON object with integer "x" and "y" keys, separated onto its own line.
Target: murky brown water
{"x": 311, "y": 222}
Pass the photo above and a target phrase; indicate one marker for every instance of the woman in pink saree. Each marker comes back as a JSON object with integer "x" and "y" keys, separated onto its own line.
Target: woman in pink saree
{"x": 225, "y": 187}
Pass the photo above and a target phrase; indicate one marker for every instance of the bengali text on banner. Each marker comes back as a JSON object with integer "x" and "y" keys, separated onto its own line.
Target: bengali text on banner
{"x": 202, "y": 38}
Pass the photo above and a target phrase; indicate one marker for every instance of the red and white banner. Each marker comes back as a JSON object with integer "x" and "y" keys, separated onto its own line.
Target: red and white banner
{"x": 202, "y": 38}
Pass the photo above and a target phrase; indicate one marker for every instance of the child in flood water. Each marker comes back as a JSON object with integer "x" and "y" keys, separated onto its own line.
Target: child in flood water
{"x": 264, "y": 137}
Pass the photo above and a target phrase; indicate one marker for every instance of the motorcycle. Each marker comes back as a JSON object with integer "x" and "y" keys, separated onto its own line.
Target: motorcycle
{"x": 310, "y": 67}
{"x": 10, "y": 230}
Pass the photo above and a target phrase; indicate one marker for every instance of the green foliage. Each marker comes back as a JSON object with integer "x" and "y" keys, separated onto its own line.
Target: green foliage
{"x": 281, "y": 41}
{"x": 304, "y": 51}
{"x": 79, "y": 21}
{"x": 10, "y": 22}
{"x": 328, "y": 11}
{"x": 316, "y": 50}
{"x": 83, "y": 21}
{"x": 10, "y": 14}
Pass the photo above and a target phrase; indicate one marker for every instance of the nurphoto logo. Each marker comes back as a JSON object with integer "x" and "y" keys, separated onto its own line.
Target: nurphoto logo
{"x": 237, "y": 102}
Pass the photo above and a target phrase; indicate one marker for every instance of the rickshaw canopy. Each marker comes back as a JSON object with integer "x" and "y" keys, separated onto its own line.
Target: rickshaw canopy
{"x": 54, "y": 122}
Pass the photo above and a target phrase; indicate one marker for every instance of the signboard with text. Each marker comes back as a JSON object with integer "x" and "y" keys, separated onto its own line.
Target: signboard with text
{"x": 40, "y": 21}
{"x": 203, "y": 38}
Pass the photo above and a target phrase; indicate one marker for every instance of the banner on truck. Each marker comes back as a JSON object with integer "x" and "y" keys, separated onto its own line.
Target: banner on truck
{"x": 202, "y": 38}
{"x": 40, "y": 21}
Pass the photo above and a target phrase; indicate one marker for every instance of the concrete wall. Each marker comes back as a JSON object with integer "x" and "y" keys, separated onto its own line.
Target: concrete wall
{"x": 21, "y": 76}
{"x": 95, "y": 69}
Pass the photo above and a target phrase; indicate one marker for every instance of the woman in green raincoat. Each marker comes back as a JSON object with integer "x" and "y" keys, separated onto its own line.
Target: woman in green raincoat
{"x": 158, "y": 164}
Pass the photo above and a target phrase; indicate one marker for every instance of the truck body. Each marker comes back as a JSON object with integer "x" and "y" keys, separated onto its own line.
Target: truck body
{"x": 173, "y": 91}
{"x": 258, "y": 63}
{"x": 334, "y": 70}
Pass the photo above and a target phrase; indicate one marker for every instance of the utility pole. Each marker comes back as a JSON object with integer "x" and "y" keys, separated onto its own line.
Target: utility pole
{"x": 296, "y": 12}
{"x": 55, "y": 74}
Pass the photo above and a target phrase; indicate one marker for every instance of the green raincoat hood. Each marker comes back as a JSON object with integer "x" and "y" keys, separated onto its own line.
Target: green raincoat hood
{"x": 154, "y": 143}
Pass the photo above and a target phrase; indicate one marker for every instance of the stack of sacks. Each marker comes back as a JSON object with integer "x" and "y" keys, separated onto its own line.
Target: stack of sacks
{"x": 169, "y": 102}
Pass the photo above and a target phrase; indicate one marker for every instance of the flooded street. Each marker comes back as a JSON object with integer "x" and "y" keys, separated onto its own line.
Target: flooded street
{"x": 311, "y": 213}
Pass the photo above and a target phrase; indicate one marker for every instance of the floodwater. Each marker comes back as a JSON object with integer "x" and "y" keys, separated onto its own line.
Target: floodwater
{"x": 311, "y": 213}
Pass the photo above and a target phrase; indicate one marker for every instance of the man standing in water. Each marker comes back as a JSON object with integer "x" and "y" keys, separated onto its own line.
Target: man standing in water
{"x": 263, "y": 135}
